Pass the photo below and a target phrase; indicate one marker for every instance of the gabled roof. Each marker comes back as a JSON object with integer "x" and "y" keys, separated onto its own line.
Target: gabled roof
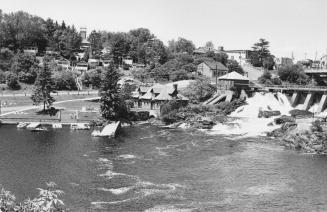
{"x": 233, "y": 76}
{"x": 216, "y": 65}
{"x": 164, "y": 95}
{"x": 143, "y": 89}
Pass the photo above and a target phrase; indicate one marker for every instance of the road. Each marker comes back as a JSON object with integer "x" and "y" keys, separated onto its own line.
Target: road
{"x": 54, "y": 94}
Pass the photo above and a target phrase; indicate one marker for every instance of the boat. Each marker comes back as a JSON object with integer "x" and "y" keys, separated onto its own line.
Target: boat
{"x": 22, "y": 125}
{"x": 80, "y": 126}
{"x": 57, "y": 126}
{"x": 39, "y": 129}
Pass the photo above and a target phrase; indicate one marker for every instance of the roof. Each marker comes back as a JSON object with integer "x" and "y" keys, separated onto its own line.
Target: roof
{"x": 233, "y": 76}
{"x": 216, "y": 65}
{"x": 143, "y": 89}
{"x": 84, "y": 41}
{"x": 164, "y": 95}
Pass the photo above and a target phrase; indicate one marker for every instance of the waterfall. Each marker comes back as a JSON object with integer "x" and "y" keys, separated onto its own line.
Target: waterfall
{"x": 248, "y": 123}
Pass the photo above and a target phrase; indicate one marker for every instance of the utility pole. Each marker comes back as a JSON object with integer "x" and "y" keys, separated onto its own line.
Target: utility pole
{"x": 216, "y": 73}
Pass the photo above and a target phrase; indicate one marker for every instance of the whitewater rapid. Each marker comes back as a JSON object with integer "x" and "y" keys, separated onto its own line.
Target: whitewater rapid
{"x": 248, "y": 124}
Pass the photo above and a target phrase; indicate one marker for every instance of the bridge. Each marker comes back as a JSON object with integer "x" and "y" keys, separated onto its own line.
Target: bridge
{"x": 303, "y": 94}
{"x": 306, "y": 88}
{"x": 315, "y": 71}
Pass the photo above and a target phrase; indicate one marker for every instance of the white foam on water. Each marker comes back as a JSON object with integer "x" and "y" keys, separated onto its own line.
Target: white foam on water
{"x": 299, "y": 106}
{"x": 105, "y": 163}
{"x": 314, "y": 108}
{"x": 127, "y": 156}
{"x": 119, "y": 191}
{"x": 249, "y": 125}
{"x": 110, "y": 174}
{"x": 167, "y": 208}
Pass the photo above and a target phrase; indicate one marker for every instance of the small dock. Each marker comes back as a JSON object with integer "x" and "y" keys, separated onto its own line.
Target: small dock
{"x": 33, "y": 125}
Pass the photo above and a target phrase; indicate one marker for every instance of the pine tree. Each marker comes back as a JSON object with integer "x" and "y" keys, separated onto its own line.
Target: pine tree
{"x": 112, "y": 104}
{"x": 43, "y": 87}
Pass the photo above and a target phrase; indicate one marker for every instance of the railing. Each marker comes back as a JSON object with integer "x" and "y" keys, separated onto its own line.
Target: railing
{"x": 296, "y": 87}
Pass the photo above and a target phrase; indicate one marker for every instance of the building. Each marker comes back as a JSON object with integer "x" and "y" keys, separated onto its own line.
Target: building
{"x": 204, "y": 50}
{"x": 81, "y": 66}
{"x": 105, "y": 63}
{"x": 212, "y": 69}
{"x": 241, "y": 56}
{"x": 93, "y": 63}
{"x": 31, "y": 50}
{"x": 65, "y": 64}
{"x": 283, "y": 61}
{"x": 151, "y": 98}
{"x": 85, "y": 44}
{"x": 233, "y": 80}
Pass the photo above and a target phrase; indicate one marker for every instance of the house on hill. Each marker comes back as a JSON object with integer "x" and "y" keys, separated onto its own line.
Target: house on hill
{"x": 212, "y": 69}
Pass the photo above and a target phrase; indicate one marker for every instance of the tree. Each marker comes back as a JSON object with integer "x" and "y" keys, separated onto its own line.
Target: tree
{"x": 6, "y": 59}
{"x": 95, "y": 40}
{"x": 182, "y": 45}
{"x": 210, "y": 45}
{"x": 112, "y": 105}
{"x": 233, "y": 65}
{"x": 43, "y": 87}
{"x": 200, "y": 90}
{"x": 261, "y": 48}
{"x": 12, "y": 81}
{"x": 268, "y": 63}
{"x": 293, "y": 74}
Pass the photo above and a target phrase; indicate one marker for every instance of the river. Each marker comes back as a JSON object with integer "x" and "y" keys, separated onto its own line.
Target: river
{"x": 154, "y": 169}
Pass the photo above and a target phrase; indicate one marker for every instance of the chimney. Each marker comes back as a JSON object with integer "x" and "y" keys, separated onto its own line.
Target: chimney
{"x": 175, "y": 86}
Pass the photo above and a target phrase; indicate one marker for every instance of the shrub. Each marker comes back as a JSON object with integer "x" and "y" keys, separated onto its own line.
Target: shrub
{"x": 227, "y": 108}
{"x": 12, "y": 81}
{"x": 27, "y": 77}
{"x": 64, "y": 80}
{"x": 47, "y": 200}
{"x": 293, "y": 74}
{"x": 199, "y": 91}
{"x": 169, "y": 111}
{"x": 316, "y": 126}
{"x": 2, "y": 77}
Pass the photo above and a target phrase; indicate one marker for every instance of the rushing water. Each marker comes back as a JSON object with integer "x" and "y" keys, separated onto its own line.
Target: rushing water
{"x": 153, "y": 169}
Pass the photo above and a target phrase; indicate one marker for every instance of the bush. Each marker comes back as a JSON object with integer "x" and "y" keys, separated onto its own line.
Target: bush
{"x": 171, "y": 105}
{"x": 169, "y": 111}
{"x": 227, "y": 108}
{"x": 95, "y": 77}
{"x": 199, "y": 91}
{"x": 316, "y": 126}
{"x": 27, "y": 77}
{"x": 293, "y": 74}
{"x": 2, "y": 77}
{"x": 47, "y": 200}
{"x": 12, "y": 81}
{"x": 64, "y": 80}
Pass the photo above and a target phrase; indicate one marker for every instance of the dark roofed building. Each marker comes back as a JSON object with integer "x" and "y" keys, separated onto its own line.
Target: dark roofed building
{"x": 151, "y": 98}
{"x": 212, "y": 69}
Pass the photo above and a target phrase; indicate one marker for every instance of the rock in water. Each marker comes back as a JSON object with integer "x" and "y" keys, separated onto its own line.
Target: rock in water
{"x": 301, "y": 113}
{"x": 284, "y": 119}
{"x": 268, "y": 113}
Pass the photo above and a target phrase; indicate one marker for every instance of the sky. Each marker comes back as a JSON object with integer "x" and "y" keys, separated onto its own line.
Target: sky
{"x": 297, "y": 26}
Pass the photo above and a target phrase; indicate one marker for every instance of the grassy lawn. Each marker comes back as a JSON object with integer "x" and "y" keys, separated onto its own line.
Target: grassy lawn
{"x": 13, "y": 101}
{"x": 68, "y": 114}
